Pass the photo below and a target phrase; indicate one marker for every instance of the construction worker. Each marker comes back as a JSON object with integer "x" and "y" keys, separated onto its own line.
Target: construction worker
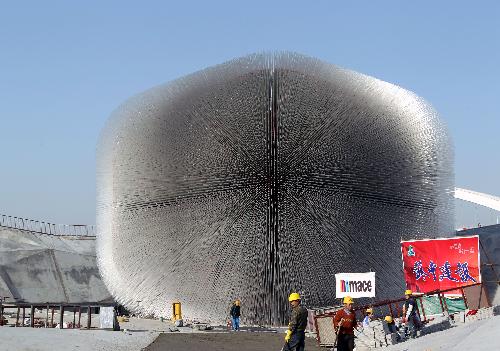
{"x": 410, "y": 314}
{"x": 295, "y": 335}
{"x": 392, "y": 328}
{"x": 390, "y": 324}
{"x": 368, "y": 317}
{"x": 345, "y": 322}
{"x": 235, "y": 315}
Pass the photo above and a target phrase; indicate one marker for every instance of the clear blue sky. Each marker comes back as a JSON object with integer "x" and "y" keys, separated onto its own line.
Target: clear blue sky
{"x": 64, "y": 66}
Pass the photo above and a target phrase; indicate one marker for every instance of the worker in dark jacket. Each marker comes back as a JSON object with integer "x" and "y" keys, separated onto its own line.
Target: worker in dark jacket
{"x": 392, "y": 328}
{"x": 345, "y": 322}
{"x": 410, "y": 314}
{"x": 391, "y": 325}
{"x": 235, "y": 315}
{"x": 295, "y": 335}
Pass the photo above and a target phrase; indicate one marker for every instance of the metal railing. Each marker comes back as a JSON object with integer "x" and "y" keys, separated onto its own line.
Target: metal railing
{"x": 47, "y": 228}
{"x": 22, "y": 319}
{"x": 323, "y": 317}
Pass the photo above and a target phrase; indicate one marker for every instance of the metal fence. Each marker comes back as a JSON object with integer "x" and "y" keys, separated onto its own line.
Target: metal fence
{"x": 47, "y": 228}
{"x": 325, "y": 330}
{"x": 323, "y": 318}
{"x": 25, "y": 314}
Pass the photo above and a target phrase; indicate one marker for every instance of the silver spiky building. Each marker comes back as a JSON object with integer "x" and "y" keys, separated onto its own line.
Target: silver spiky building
{"x": 261, "y": 176}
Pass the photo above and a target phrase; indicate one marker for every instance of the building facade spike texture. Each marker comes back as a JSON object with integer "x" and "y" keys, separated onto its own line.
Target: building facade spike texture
{"x": 263, "y": 176}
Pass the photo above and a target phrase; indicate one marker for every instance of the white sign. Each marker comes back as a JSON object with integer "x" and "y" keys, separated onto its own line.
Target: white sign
{"x": 106, "y": 316}
{"x": 355, "y": 284}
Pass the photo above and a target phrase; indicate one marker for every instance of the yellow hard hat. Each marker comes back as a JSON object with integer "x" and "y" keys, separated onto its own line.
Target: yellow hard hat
{"x": 388, "y": 319}
{"x": 237, "y": 302}
{"x": 294, "y": 297}
{"x": 348, "y": 299}
{"x": 408, "y": 292}
{"x": 369, "y": 310}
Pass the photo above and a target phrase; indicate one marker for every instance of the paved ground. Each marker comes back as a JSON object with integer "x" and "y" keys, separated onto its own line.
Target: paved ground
{"x": 242, "y": 341}
{"x": 480, "y": 335}
{"x": 137, "y": 334}
{"x": 49, "y": 339}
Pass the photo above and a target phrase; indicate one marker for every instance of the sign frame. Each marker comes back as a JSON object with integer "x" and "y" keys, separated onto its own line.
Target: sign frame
{"x": 355, "y": 285}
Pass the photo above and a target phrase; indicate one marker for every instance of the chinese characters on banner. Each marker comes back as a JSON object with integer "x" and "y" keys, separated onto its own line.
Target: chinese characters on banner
{"x": 441, "y": 263}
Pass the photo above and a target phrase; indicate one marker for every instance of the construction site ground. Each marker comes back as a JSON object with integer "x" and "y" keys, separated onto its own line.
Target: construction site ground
{"x": 153, "y": 335}
{"x": 475, "y": 336}
{"x": 51, "y": 339}
{"x": 234, "y": 341}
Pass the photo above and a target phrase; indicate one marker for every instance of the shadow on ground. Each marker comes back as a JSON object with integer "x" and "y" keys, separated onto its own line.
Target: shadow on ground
{"x": 241, "y": 341}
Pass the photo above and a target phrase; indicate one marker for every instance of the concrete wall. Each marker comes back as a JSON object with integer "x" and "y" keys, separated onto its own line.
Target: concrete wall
{"x": 490, "y": 253}
{"x": 41, "y": 268}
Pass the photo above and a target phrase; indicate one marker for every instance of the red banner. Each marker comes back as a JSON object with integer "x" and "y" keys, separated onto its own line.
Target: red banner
{"x": 440, "y": 264}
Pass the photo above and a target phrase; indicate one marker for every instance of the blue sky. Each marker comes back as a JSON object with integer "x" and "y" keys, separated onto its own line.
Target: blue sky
{"x": 64, "y": 67}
